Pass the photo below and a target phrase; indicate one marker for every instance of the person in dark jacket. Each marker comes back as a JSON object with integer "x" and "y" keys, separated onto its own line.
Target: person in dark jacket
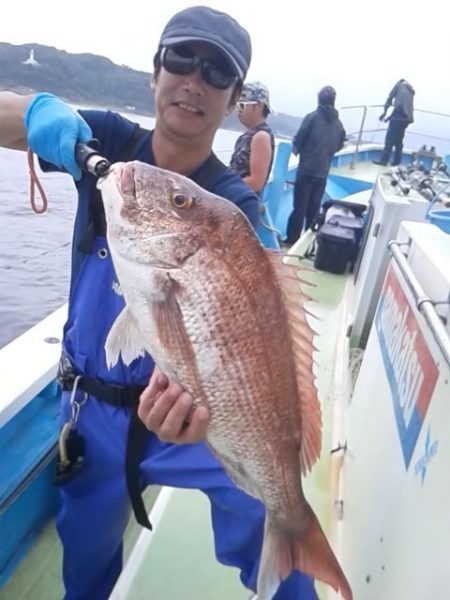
{"x": 402, "y": 98}
{"x": 321, "y": 134}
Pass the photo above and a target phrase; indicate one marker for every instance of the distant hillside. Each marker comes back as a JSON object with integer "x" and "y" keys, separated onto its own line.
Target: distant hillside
{"x": 94, "y": 81}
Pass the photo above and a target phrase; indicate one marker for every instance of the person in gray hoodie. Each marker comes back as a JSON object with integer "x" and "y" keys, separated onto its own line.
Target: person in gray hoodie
{"x": 402, "y": 98}
{"x": 321, "y": 134}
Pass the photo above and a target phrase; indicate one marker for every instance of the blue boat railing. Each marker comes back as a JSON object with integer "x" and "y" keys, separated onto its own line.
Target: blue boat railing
{"x": 29, "y": 424}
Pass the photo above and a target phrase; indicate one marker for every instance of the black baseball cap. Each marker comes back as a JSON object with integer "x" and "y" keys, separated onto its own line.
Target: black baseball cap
{"x": 204, "y": 24}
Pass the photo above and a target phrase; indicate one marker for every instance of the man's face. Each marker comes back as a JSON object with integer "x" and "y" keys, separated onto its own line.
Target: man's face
{"x": 187, "y": 106}
{"x": 248, "y": 111}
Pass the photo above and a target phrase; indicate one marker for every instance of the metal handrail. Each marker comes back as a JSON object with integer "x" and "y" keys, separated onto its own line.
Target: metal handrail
{"x": 378, "y": 130}
{"x": 423, "y": 304}
{"x": 361, "y": 130}
{"x": 365, "y": 108}
{"x": 431, "y": 112}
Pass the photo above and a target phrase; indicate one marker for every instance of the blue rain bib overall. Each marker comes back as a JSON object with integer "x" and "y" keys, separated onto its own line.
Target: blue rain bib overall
{"x": 95, "y": 504}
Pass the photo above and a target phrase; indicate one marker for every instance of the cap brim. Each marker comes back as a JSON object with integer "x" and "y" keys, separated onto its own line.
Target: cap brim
{"x": 188, "y": 38}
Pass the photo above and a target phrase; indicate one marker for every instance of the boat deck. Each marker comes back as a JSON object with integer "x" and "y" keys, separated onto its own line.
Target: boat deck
{"x": 185, "y": 546}
{"x": 344, "y": 182}
{"x": 363, "y": 170}
{"x": 182, "y": 557}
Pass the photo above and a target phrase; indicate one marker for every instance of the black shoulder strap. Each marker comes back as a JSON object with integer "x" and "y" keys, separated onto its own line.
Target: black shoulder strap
{"x": 92, "y": 218}
{"x": 97, "y": 224}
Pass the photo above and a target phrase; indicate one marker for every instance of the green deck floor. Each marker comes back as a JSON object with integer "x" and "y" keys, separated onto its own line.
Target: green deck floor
{"x": 179, "y": 562}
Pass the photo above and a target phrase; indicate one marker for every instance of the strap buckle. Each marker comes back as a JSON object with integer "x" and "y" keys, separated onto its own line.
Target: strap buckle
{"x": 66, "y": 374}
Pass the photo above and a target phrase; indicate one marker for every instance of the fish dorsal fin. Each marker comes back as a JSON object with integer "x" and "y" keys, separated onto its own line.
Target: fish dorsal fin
{"x": 290, "y": 280}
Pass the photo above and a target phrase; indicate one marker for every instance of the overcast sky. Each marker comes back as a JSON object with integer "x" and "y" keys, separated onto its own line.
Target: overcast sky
{"x": 361, "y": 48}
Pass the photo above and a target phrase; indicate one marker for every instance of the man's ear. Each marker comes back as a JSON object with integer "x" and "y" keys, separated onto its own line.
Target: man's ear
{"x": 153, "y": 81}
{"x": 230, "y": 109}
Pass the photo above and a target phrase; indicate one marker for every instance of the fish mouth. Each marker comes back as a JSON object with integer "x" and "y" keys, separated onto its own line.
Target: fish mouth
{"x": 122, "y": 174}
{"x": 125, "y": 180}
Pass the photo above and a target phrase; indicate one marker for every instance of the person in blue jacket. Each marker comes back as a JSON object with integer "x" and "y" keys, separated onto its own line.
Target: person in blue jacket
{"x": 199, "y": 69}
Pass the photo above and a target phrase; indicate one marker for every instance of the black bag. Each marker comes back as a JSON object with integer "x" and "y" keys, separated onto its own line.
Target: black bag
{"x": 335, "y": 248}
{"x": 356, "y": 224}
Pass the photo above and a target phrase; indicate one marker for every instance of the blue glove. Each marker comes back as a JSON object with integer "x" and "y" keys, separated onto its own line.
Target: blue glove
{"x": 53, "y": 130}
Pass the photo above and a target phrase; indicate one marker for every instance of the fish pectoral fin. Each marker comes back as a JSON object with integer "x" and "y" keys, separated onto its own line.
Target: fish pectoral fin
{"x": 123, "y": 338}
{"x": 171, "y": 330}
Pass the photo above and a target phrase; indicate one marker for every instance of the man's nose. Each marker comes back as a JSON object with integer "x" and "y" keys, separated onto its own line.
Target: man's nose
{"x": 194, "y": 80}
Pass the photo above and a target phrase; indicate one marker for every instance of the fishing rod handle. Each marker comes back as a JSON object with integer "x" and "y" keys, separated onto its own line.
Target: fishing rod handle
{"x": 90, "y": 160}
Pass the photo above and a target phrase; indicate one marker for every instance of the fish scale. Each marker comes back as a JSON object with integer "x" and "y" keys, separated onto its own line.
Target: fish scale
{"x": 234, "y": 360}
{"x": 234, "y": 344}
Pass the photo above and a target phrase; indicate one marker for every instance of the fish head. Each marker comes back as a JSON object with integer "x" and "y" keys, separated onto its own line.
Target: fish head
{"x": 160, "y": 218}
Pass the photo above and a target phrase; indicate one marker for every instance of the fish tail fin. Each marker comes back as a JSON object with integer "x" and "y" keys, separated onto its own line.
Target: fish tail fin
{"x": 309, "y": 552}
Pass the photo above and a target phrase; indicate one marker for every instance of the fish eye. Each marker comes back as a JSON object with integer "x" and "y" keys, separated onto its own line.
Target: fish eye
{"x": 181, "y": 200}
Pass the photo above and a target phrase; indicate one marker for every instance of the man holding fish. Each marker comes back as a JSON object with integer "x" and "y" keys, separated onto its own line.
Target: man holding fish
{"x": 199, "y": 69}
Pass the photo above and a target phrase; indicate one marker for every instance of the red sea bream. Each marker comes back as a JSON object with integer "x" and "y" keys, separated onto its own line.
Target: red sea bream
{"x": 225, "y": 318}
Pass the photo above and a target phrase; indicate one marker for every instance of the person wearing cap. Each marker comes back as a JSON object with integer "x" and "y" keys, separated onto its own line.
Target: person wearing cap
{"x": 254, "y": 150}
{"x": 320, "y": 135}
{"x": 199, "y": 67}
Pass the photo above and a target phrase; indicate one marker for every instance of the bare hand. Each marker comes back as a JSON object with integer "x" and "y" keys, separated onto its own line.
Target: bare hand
{"x": 167, "y": 409}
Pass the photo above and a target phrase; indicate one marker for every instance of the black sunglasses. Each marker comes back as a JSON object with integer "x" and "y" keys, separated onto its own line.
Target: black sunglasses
{"x": 181, "y": 60}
